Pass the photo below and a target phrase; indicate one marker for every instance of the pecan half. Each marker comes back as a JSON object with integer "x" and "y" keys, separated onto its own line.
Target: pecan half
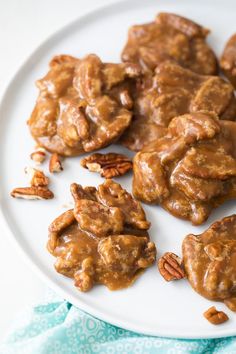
{"x": 37, "y": 177}
{"x": 32, "y": 193}
{"x": 170, "y": 267}
{"x": 38, "y": 156}
{"x": 108, "y": 165}
{"x": 55, "y": 164}
{"x": 214, "y": 316}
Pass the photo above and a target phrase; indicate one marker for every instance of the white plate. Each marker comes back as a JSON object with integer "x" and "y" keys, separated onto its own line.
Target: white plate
{"x": 151, "y": 305}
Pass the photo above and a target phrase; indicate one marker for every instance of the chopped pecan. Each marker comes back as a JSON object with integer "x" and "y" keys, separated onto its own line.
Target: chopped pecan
{"x": 214, "y": 316}
{"x": 108, "y": 165}
{"x": 84, "y": 277}
{"x": 32, "y": 193}
{"x": 112, "y": 194}
{"x": 63, "y": 221}
{"x": 55, "y": 164}
{"x": 170, "y": 268}
{"x": 98, "y": 219}
{"x": 37, "y": 177}
{"x": 38, "y": 156}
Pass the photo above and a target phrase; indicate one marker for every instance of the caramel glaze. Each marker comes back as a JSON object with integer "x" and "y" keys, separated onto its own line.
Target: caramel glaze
{"x": 115, "y": 259}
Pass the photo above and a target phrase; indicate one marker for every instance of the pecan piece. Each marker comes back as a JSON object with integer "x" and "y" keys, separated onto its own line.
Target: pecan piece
{"x": 125, "y": 99}
{"x": 37, "y": 177}
{"x": 231, "y": 303}
{"x": 108, "y": 165}
{"x": 170, "y": 267}
{"x": 55, "y": 164}
{"x": 32, "y": 193}
{"x": 214, "y": 316}
{"x": 84, "y": 277}
{"x": 38, "y": 156}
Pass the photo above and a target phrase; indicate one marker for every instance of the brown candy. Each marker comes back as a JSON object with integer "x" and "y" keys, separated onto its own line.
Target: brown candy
{"x": 210, "y": 261}
{"x": 103, "y": 240}
{"x": 191, "y": 170}
{"x": 170, "y": 37}
{"x": 83, "y": 105}
{"x": 173, "y": 91}
{"x": 228, "y": 60}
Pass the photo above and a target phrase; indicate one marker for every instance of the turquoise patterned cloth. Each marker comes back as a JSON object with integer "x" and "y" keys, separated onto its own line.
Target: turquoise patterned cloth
{"x": 57, "y": 327}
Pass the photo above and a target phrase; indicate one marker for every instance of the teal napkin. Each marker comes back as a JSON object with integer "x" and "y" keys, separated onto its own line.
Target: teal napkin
{"x": 57, "y": 327}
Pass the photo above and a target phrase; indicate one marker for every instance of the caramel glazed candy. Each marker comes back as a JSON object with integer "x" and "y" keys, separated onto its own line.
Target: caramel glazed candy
{"x": 170, "y": 37}
{"x": 103, "y": 240}
{"x": 83, "y": 105}
{"x": 173, "y": 91}
{"x": 210, "y": 261}
{"x": 228, "y": 60}
{"x": 192, "y": 169}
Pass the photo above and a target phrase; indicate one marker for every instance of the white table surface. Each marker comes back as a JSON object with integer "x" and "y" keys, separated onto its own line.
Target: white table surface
{"x": 24, "y": 25}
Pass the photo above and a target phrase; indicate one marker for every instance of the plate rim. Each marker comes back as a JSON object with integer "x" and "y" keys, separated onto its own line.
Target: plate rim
{"x": 25, "y": 256}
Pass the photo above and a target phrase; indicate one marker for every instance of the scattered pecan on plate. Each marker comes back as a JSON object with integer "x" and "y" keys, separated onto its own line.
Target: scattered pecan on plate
{"x": 55, "y": 164}
{"x": 170, "y": 267}
{"x": 108, "y": 165}
{"x": 214, "y": 316}
{"x": 38, "y": 155}
{"x": 38, "y": 186}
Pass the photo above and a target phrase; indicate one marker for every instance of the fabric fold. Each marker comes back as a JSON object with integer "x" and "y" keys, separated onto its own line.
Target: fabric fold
{"x": 57, "y": 327}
